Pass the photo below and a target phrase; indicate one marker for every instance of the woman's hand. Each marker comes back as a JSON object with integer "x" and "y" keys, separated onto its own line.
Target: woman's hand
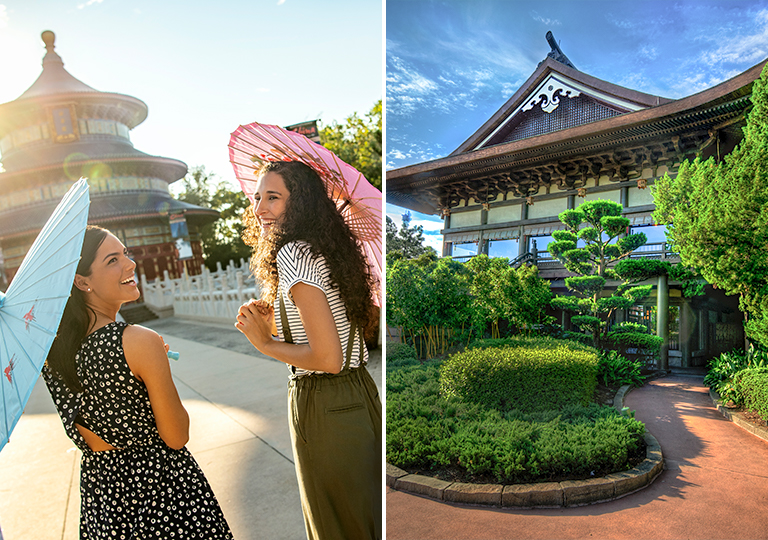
{"x": 322, "y": 353}
{"x": 256, "y": 320}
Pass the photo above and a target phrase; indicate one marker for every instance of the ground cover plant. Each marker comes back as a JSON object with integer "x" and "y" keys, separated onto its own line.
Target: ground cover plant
{"x": 447, "y": 436}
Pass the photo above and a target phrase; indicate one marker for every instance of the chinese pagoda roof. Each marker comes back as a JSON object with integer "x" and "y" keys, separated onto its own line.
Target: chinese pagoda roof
{"x": 30, "y": 219}
{"x": 56, "y": 84}
{"x": 75, "y": 155}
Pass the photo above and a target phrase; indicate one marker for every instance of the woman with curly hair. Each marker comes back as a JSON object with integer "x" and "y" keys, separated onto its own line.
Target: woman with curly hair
{"x": 314, "y": 275}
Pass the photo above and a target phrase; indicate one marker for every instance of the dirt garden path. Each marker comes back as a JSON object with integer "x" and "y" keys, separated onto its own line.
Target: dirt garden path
{"x": 714, "y": 485}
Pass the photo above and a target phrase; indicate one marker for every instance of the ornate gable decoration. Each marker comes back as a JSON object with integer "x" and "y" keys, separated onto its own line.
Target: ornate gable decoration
{"x": 548, "y": 95}
{"x": 572, "y": 103}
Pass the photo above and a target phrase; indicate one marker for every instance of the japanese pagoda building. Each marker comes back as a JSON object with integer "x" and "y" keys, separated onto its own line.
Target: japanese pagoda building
{"x": 61, "y": 129}
{"x": 566, "y": 137}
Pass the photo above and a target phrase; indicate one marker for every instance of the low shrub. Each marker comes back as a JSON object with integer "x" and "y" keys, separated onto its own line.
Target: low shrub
{"x": 529, "y": 374}
{"x": 752, "y": 386}
{"x": 429, "y": 431}
{"x": 400, "y": 355}
{"x": 629, "y": 339}
{"x": 723, "y": 369}
{"x": 616, "y": 370}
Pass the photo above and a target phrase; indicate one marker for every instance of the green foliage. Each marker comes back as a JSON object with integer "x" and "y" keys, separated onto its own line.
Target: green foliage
{"x": 586, "y": 285}
{"x": 628, "y": 326}
{"x": 358, "y": 142}
{"x": 723, "y": 372}
{"x": 428, "y": 299}
{"x": 427, "y": 430}
{"x": 615, "y": 369}
{"x": 500, "y": 292}
{"x": 718, "y": 216}
{"x": 222, "y": 239}
{"x": 438, "y": 302}
{"x": 724, "y": 367}
{"x": 407, "y": 241}
{"x": 603, "y": 224}
{"x": 752, "y": 386}
{"x": 400, "y": 355}
{"x": 639, "y": 340}
{"x": 541, "y": 374}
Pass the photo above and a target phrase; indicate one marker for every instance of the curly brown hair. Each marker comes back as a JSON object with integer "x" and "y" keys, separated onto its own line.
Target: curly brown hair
{"x": 311, "y": 216}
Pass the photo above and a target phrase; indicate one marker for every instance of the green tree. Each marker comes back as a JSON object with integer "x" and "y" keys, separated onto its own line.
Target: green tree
{"x": 358, "y": 142}
{"x": 408, "y": 241}
{"x": 221, "y": 239}
{"x": 500, "y": 292}
{"x": 429, "y": 300}
{"x": 604, "y": 246}
{"x": 717, "y": 216}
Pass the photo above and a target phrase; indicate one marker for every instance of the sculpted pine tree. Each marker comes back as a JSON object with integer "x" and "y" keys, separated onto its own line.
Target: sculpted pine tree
{"x": 590, "y": 247}
{"x": 718, "y": 216}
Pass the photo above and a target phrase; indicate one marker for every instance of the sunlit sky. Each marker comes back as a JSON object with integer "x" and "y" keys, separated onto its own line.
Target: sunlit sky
{"x": 450, "y": 65}
{"x": 204, "y": 68}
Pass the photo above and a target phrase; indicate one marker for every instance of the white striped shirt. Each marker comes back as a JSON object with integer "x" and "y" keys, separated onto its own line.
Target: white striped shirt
{"x": 296, "y": 264}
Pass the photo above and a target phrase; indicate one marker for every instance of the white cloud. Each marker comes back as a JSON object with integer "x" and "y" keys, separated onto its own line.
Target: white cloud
{"x": 738, "y": 49}
{"x": 280, "y": 2}
{"x": 648, "y": 52}
{"x": 89, "y": 3}
{"x": 3, "y": 16}
{"x": 547, "y": 21}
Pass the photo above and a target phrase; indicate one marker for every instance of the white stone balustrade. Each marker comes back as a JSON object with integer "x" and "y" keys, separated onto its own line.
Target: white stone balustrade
{"x": 210, "y": 296}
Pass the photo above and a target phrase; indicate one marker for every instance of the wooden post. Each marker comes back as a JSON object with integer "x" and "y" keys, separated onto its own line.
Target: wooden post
{"x": 662, "y": 321}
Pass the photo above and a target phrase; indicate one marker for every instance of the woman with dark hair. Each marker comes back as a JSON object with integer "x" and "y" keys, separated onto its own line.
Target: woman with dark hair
{"x": 112, "y": 386}
{"x": 314, "y": 274}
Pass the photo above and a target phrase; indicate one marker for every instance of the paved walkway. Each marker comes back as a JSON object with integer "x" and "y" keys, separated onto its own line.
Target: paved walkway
{"x": 715, "y": 485}
{"x": 237, "y": 404}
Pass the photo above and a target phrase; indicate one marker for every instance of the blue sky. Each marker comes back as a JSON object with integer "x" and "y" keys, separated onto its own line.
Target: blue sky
{"x": 204, "y": 68}
{"x": 451, "y": 64}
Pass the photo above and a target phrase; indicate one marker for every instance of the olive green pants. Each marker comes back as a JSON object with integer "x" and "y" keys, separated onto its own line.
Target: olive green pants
{"x": 335, "y": 425}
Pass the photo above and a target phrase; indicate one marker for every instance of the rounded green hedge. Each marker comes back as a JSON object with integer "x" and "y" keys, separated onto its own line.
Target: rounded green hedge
{"x": 428, "y": 431}
{"x": 529, "y": 375}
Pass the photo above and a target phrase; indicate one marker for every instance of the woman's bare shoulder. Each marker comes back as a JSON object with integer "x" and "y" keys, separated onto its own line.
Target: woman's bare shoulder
{"x": 138, "y": 337}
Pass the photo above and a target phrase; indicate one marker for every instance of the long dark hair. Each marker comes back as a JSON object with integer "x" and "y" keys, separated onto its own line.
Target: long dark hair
{"x": 311, "y": 216}
{"x": 77, "y": 317}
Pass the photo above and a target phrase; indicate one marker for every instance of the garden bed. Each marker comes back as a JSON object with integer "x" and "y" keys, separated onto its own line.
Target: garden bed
{"x": 446, "y": 438}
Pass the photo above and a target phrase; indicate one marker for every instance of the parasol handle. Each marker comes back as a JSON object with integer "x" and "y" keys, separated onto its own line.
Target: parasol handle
{"x": 173, "y": 355}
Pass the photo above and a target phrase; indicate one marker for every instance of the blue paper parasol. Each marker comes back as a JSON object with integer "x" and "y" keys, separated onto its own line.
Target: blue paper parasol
{"x": 31, "y": 308}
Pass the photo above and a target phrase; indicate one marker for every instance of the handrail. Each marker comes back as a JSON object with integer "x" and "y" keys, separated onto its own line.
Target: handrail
{"x": 208, "y": 296}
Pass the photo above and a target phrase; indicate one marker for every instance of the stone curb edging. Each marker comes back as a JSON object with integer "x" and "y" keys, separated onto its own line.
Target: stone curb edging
{"x": 737, "y": 418}
{"x": 542, "y": 495}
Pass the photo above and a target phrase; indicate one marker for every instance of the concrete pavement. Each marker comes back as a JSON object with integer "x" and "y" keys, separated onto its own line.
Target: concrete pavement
{"x": 715, "y": 485}
{"x": 237, "y": 402}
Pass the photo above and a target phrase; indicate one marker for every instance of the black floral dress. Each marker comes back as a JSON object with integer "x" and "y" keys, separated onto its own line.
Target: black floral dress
{"x": 145, "y": 489}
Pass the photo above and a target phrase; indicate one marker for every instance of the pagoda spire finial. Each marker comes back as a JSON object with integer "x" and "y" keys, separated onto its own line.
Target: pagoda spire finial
{"x": 51, "y": 57}
{"x": 49, "y": 38}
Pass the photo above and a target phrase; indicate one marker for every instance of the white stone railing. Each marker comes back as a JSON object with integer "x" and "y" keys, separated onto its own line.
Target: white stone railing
{"x": 210, "y": 296}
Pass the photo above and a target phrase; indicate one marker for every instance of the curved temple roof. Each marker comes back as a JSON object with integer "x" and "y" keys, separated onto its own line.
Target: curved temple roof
{"x": 563, "y": 125}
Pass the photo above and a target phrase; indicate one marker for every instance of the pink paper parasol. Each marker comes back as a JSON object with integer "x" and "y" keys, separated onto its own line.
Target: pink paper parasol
{"x": 357, "y": 200}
